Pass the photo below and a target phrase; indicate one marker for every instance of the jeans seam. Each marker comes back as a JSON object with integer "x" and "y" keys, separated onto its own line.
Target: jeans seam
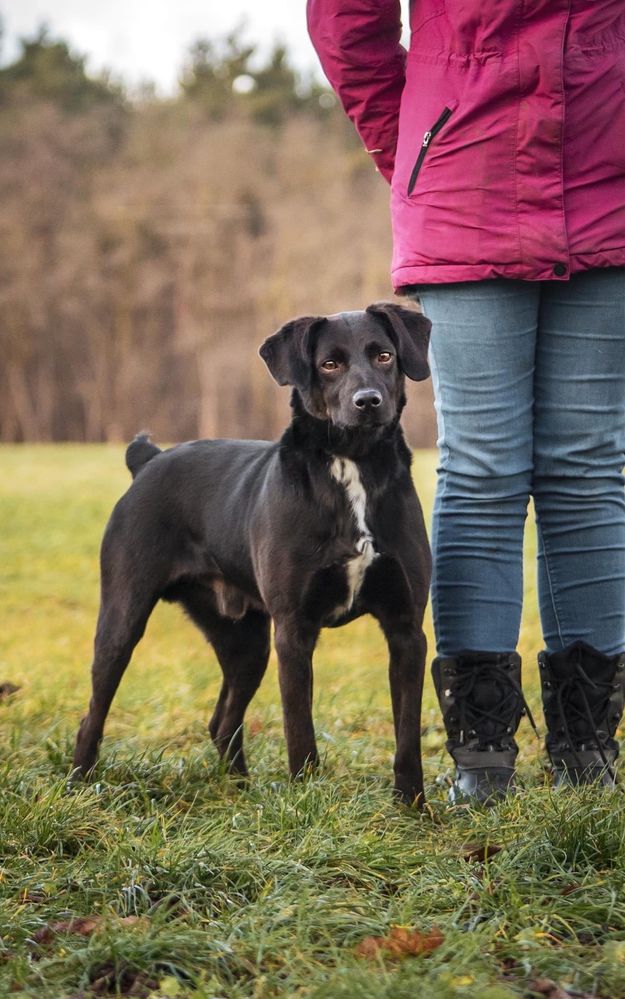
{"x": 552, "y": 590}
{"x": 444, "y": 457}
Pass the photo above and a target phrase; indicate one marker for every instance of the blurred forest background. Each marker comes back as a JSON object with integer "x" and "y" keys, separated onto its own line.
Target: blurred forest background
{"x": 148, "y": 245}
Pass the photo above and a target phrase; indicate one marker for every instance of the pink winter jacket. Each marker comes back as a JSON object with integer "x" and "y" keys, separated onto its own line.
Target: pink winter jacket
{"x": 502, "y": 130}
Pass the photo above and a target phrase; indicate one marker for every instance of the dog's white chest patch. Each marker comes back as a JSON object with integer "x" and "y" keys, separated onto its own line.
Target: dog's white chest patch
{"x": 346, "y": 473}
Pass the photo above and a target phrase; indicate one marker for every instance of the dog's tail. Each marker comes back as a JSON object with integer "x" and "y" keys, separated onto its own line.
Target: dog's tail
{"x": 139, "y": 452}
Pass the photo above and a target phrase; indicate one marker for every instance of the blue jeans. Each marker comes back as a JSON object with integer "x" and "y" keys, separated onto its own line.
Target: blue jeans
{"x": 529, "y": 380}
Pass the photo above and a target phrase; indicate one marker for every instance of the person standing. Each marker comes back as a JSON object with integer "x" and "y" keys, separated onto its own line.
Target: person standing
{"x": 502, "y": 134}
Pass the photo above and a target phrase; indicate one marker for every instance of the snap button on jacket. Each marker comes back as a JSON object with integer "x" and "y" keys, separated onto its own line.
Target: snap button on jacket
{"x": 501, "y": 130}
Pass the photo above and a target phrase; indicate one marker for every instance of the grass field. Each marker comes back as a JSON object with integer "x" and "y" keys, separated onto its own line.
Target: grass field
{"x": 162, "y": 878}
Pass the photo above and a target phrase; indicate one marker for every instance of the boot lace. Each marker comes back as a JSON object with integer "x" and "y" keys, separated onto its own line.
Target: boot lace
{"x": 495, "y": 724}
{"x": 573, "y": 704}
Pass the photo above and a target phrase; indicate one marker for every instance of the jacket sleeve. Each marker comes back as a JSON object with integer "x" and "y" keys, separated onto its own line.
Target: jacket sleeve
{"x": 357, "y": 42}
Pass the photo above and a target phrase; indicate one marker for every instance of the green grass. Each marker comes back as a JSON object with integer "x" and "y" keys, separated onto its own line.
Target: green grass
{"x": 267, "y": 891}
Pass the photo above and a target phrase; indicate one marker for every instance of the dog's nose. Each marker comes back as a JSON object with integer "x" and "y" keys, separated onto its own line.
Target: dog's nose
{"x": 367, "y": 399}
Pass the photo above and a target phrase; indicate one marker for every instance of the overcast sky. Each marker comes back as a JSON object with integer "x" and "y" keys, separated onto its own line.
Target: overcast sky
{"x": 147, "y": 39}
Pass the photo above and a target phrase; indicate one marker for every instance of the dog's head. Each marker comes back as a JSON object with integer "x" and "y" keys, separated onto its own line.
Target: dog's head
{"x": 349, "y": 368}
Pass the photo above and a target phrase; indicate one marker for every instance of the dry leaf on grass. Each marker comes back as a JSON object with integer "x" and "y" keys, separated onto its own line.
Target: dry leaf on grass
{"x": 569, "y": 889}
{"x": 480, "y": 851}
{"x": 6, "y": 689}
{"x": 33, "y": 897}
{"x": 551, "y": 990}
{"x": 83, "y": 926}
{"x": 401, "y": 942}
{"x": 111, "y": 980}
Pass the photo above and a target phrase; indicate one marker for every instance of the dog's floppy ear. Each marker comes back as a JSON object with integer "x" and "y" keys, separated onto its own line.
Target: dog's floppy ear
{"x": 288, "y": 352}
{"x": 410, "y": 332}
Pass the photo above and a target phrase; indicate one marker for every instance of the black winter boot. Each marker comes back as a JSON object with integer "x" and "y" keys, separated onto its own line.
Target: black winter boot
{"x": 583, "y": 698}
{"x": 482, "y": 704}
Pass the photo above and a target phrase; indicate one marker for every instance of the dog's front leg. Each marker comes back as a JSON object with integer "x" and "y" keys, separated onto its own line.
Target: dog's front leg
{"x": 295, "y": 643}
{"x": 407, "y": 648}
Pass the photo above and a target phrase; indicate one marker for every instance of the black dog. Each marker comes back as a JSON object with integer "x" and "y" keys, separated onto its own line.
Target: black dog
{"x": 312, "y": 531}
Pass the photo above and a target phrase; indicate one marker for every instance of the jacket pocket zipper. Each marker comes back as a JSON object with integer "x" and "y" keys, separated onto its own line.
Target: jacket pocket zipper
{"x": 427, "y": 138}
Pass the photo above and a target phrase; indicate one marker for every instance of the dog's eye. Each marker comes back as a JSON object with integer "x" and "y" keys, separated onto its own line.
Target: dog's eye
{"x": 329, "y": 365}
{"x": 385, "y": 356}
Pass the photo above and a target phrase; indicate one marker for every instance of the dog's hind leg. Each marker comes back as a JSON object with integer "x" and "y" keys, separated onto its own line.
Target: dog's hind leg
{"x": 121, "y": 625}
{"x": 242, "y": 648}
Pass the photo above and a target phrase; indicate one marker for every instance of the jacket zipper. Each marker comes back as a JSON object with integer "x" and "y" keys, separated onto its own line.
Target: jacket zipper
{"x": 427, "y": 138}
